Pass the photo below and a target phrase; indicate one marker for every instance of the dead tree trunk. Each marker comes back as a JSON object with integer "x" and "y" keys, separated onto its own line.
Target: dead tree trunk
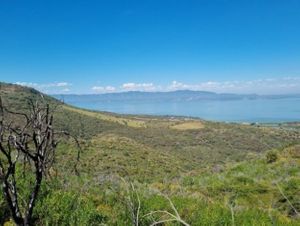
{"x": 35, "y": 143}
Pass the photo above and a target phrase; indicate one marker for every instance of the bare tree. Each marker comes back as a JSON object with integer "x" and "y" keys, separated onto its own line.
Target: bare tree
{"x": 31, "y": 145}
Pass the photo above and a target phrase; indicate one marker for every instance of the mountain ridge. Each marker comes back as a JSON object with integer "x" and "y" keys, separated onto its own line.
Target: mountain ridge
{"x": 179, "y": 95}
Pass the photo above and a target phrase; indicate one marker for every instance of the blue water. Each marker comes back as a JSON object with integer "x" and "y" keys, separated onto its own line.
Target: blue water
{"x": 258, "y": 110}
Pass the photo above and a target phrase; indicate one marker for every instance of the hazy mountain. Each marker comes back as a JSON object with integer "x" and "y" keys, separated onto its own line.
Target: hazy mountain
{"x": 182, "y": 95}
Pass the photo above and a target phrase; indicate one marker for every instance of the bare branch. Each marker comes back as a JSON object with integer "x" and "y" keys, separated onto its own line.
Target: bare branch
{"x": 133, "y": 201}
{"x": 289, "y": 202}
{"x": 35, "y": 143}
{"x": 173, "y": 217}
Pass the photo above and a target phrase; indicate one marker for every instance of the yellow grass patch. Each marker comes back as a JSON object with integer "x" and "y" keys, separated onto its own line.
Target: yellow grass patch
{"x": 108, "y": 117}
{"x": 190, "y": 125}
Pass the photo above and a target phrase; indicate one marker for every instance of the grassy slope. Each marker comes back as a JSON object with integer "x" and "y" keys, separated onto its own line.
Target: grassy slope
{"x": 193, "y": 161}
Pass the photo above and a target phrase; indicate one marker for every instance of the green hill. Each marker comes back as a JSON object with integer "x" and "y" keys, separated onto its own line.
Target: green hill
{"x": 215, "y": 173}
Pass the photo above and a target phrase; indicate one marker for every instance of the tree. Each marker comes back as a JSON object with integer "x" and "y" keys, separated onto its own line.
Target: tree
{"x": 31, "y": 145}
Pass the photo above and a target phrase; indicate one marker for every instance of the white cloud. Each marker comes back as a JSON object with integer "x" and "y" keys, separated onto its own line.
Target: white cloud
{"x": 61, "y": 84}
{"x": 102, "y": 89}
{"x": 28, "y": 84}
{"x": 139, "y": 87}
{"x": 178, "y": 85}
{"x": 45, "y": 85}
{"x": 66, "y": 90}
{"x": 55, "y": 87}
{"x": 175, "y": 85}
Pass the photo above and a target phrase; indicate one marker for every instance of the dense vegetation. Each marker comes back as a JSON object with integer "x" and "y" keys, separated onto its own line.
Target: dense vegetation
{"x": 211, "y": 173}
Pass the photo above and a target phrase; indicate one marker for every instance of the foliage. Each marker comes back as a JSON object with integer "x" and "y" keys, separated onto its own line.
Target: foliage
{"x": 271, "y": 156}
{"x": 67, "y": 208}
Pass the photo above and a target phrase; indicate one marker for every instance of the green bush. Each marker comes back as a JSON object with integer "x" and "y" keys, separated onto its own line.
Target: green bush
{"x": 272, "y": 156}
{"x": 67, "y": 208}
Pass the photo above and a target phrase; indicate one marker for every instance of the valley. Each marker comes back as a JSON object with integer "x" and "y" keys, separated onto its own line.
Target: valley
{"x": 214, "y": 173}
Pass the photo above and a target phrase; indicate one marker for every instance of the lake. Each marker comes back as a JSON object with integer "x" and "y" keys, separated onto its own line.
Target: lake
{"x": 245, "y": 110}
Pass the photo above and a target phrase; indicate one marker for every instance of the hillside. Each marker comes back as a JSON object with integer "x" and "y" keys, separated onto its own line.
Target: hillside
{"x": 209, "y": 169}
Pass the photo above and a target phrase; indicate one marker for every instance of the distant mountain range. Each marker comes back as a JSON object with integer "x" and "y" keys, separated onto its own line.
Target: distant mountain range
{"x": 181, "y": 95}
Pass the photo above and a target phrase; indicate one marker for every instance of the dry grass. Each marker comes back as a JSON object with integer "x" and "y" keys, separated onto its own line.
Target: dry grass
{"x": 107, "y": 117}
{"x": 191, "y": 125}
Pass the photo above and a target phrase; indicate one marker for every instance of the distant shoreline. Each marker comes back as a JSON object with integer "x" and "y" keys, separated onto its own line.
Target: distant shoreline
{"x": 246, "y": 111}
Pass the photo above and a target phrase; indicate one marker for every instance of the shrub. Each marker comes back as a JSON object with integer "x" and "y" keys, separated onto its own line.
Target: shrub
{"x": 271, "y": 156}
{"x": 68, "y": 208}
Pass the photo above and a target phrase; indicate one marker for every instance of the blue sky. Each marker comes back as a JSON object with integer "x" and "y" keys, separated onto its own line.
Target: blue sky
{"x": 243, "y": 46}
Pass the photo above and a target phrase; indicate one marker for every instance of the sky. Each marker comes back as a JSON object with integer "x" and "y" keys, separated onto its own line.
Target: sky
{"x": 100, "y": 46}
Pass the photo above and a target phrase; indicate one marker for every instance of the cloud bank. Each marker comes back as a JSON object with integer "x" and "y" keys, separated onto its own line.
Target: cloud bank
{"x": 284, "y": 85}
{"x": 102, "y": 89}
{"x": 139, "y": 87}
{"x": 260, "y": 86}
